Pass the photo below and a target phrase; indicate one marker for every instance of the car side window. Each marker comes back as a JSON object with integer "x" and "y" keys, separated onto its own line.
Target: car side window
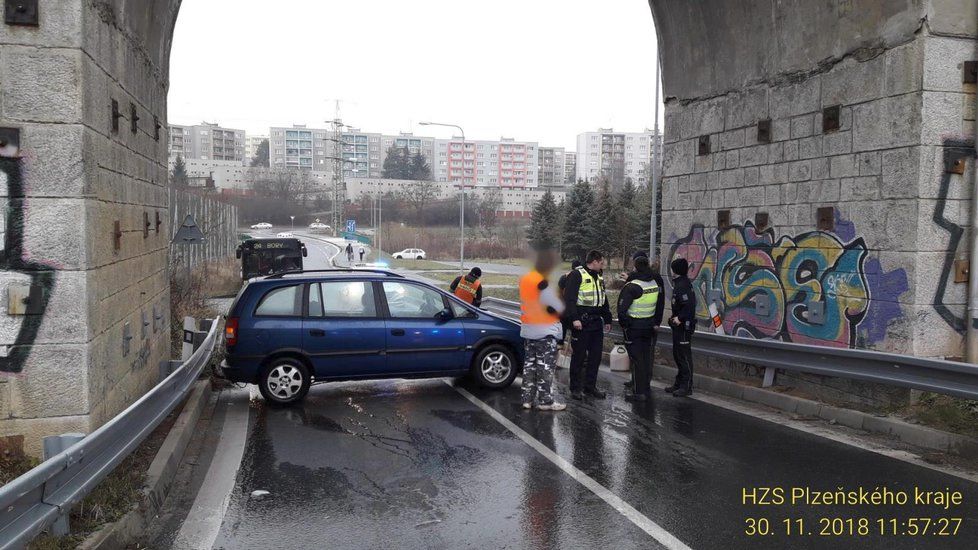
{"x": 348, "y": 299}
{"x": 283, "y": 301}
{"x": 460, "y": 311}
{"x": 315, "y": 301}
{"x": 412, "y": 301}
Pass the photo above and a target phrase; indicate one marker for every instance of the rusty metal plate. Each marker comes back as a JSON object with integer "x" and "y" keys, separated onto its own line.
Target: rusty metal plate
{"x": 970, "y": 72}
{"x": 704, "y": 146}
{"x": 831, "y": 118}
{"x": 723, "y": 219}
{"x": 24, "y": 299}
{"x": 826, "y": 218}
{"x": 9, "y": 142}
{"x": 962, "y": 270}
{"x": 761, "y": 220}
{"x": 764, "y": 131}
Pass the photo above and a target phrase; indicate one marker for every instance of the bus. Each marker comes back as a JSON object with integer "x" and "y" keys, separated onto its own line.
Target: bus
{"x": 262, "y": 257}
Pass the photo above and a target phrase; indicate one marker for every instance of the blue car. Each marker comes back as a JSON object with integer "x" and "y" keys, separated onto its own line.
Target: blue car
{"x": 286, "y": 331}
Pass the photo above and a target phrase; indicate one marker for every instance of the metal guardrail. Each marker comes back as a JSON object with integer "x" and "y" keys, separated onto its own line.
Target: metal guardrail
{"x": 45, "y": 495}
{"x": 933, "y": 375}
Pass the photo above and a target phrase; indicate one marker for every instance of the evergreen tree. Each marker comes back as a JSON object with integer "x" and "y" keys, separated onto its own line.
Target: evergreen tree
{"x": 261, "y": 155}
{"x": 397, "y": 164}
{"x": 543, "y": 231}
{"x": 577, "y": 208}
{"x": 419, "y": 168}
{"x": 601, "y": 222}
{"x": 179, "y": 176}
{"x": 628, "y": 223}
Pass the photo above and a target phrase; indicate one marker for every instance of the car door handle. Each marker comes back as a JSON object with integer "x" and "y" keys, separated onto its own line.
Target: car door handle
{"x": 317, "y": 332}
{"x": 397, "y": 331}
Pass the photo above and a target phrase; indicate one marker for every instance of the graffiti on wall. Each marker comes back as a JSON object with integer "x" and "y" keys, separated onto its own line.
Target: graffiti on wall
{"x": 818, "y": 287}
{"x": 14, "y": 260}
{"x": 954, "y": 150}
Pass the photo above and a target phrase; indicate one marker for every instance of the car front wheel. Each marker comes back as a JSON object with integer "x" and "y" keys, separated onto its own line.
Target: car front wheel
{"x": 420, "y": 257}
{"x": 494, "y": 367}
{"x": 397, "y": 257}
{"x": 284, "y": 381}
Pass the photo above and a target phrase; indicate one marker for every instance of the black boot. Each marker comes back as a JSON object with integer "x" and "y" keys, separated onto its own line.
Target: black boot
{"x": 596, "y": 393}
{"x": 577, "y": 395}
{"x": 682, "y": 392}
{"x": 629, "y": 383}
{"x": 672, "y": 388}
{"x": 636, "y": 397}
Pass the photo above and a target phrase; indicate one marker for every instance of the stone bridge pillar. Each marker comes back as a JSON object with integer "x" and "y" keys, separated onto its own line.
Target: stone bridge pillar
{"x": 810, "y": 169}
{"x": 85, "y": 90}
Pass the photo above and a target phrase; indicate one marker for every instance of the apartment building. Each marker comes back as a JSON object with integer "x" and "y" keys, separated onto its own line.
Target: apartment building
{"x": 614, "y": 156}
{"x": 505, "y": 163}
{"x": 251, "y": 147}
{"x": 300, "y": 147}
{"x": 570, "y": 167}
{"x": 551, "y": 170}
{"x": 207, "y": 141}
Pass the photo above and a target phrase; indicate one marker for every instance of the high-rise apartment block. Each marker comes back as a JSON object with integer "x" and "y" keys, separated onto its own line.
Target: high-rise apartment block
{"x": 614, "y": 156}
{"x": 570, "y": 167}
{"x": 551, "y": 169}
{"x": 300, "y": 147}
{"x": 207, "y": 141}
{"x": 478, "y": 163}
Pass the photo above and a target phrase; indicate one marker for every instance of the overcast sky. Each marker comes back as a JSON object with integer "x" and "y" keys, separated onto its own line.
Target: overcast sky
{"x": 534, "y": 70}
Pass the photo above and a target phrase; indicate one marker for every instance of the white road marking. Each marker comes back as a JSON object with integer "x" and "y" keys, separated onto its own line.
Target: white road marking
{"x": 654, "y": 530}
{"x": 203, "y": 523}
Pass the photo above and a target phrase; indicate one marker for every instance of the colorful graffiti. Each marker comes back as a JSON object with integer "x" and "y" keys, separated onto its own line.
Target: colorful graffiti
{"x": 813, "y": 288}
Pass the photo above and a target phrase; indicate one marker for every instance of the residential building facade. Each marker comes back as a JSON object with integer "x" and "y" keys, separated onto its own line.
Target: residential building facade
{"x": 614, "y": 156}
{"x": 251, "y": 147}
{"x": 570, "y": 167}
{"x": 207, "y": 141}
{"x": 506, "y": 163}
{"x": 300, "y": 147}
{"x": 550, "y": 167}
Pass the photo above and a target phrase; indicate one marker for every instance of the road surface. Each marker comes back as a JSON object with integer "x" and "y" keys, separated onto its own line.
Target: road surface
{"x": 426, "y": 464}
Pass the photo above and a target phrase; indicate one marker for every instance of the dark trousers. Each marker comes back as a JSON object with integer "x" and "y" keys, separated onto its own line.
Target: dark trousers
{"x": 682, "y": 353}
{"x": 585, "y": 359}
{"x": 639, "y": 343}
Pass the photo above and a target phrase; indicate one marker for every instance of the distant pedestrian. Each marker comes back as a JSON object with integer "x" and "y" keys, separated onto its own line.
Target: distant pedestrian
{"x": 683, "y": 323}
{"x": 640, "y": 306}
{"x": 590, "y": 318}
{"x": 349, "y": 252}
{"x": 468, "y": 288}
{"x": 540, "y": 329}
{"x": 361, "y": 254}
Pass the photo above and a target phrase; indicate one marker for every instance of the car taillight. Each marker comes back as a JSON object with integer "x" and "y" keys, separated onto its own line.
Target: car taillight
{"x": 231, "y": 331}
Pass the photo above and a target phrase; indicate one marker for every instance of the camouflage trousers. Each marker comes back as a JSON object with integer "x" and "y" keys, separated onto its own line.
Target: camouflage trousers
{"x": 538, "y": 371}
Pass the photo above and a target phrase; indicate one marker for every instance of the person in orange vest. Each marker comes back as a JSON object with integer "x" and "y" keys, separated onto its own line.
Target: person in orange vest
{"x": 541, "y": 330}
{"x": 468, "y": 288}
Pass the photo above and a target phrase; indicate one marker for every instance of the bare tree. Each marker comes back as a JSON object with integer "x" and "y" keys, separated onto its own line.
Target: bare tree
{"x": 418, "y": 195}
{"x": 489, "y": 205}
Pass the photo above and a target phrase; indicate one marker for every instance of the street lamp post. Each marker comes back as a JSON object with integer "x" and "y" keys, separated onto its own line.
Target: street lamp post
{"x": 293, "y": 222}
{"x": 461, "y": 217}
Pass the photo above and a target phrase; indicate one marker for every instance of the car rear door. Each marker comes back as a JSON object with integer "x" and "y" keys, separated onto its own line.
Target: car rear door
{"x": 419, "y": 340}
{"x": 343, "y": 333}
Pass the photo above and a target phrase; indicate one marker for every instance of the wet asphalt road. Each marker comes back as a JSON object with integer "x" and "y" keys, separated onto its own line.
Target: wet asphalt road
{"x": 413, "y": 464}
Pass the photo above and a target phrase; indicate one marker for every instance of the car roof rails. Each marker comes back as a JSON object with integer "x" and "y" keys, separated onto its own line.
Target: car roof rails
{"x": 337, "y": 270}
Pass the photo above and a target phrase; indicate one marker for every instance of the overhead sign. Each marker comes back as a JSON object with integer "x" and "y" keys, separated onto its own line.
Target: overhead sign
{"x": 189, "y": 232}
{"x": 351, "y": 226}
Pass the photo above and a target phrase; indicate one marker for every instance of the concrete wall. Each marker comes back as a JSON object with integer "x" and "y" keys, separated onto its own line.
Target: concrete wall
{"x": 218, "y": 221}
{"x": 71, "y": 367}
{"x": 883, "y": 274}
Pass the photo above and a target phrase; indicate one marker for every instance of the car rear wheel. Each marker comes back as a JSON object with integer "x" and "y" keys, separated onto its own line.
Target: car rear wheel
{"x": 420, "y": 257}
{"x": 494, "y": 367}
{"x": 284, "y": 381}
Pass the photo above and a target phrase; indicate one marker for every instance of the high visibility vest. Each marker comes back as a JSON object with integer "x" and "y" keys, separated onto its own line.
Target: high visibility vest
{"x": 534, "y": 311}
{"x": 643, "y": 307}
{"x": 466, "y": 291}
{"x": 591, "y": 293}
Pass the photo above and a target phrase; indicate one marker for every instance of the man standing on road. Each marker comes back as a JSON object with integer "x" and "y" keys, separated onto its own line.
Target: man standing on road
{"x": 361, "y": 253}
{"x": 683, "y": 323}
{"x": 540, "y": 317}
{"x": 349, "y": 252}
{"x": 590, "y": 318}
{"x": 640, "y": 307}
{"x": 468, "y": 288}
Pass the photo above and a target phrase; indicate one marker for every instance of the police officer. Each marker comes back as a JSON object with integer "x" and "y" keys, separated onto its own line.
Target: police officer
{"x": 468, "y": 288}
{"x": 590, "y": 317}
{"x": 683, "y": 323}
{"x": 640, "y": 305}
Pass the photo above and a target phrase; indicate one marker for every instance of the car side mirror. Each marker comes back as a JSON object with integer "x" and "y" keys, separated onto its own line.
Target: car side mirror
{"x": 444, "y": 315}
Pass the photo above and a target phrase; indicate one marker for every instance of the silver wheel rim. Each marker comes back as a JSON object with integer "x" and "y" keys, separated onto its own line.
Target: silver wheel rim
{"x": 284, "y": 382}
{"x": 496, "y": 367}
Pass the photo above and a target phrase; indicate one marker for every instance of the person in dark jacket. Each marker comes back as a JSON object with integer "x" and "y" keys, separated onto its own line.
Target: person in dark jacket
{"x": 590, "y": 317}
{"x": 561, "y": 285}
{"x": 468, "y": 288}
{"x": 640, "y": 306}
{"x": 683, "y": 323}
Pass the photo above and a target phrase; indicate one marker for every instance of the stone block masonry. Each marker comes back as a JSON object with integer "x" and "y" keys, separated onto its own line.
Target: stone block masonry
{"x": 864, "y": 222}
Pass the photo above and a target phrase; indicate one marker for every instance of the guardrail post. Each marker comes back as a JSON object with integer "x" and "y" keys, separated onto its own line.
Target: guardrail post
{"x": 768, "y": 377}
{"x": 55, "y": 445}
{"x": 189, "y": 327}
{"x": 167, "y": 367}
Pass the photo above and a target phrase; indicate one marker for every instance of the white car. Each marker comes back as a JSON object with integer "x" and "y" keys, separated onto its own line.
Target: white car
{"x": 410, "y": 254}
{"x": 285, "y": 235}
{"x": 262, "y": 225}
{"x": 319, "y": 226}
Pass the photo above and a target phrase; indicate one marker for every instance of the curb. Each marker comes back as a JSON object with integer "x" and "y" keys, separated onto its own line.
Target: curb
{"x": 913, "y": 434}
{"x": 159, "y": 478}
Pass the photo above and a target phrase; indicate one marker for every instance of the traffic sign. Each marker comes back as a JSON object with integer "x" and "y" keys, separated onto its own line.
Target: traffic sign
{"x": 351, "y": 226}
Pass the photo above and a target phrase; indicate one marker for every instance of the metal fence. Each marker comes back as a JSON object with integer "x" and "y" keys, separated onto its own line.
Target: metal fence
{"x": 45, "y": 495}
{"x": 933, "y": 375}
